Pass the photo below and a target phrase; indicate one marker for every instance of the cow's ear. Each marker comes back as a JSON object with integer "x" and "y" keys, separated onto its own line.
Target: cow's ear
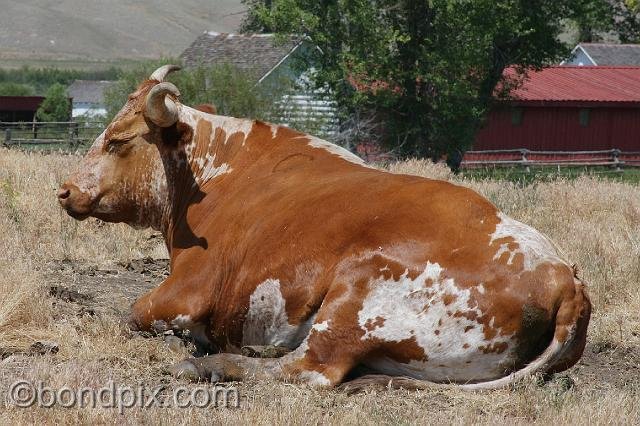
{"x": 160, "y": 105}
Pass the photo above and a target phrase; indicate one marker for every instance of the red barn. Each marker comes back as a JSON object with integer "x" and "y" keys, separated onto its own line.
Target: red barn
{"x": 568, "y": 109}
{"x": 19, "y": 108}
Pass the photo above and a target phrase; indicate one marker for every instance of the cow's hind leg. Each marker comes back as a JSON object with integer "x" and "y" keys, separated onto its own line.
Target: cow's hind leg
{"x": 332, "y": 348}
{"x": 304, "y": 365}
{"x": 224, "y": 368}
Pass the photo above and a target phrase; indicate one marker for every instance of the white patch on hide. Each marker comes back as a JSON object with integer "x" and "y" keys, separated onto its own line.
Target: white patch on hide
{"x": 197, "y": 330}
{"x": 504, "y": 248}
{"x": 397, "y": 311}
{"x": 320, "y": 327}
{"x": 267, "y": 323}
{"x": 534, "y": 247}
{"x": 230, "y": 125}
{"x": 274, "y": 130}
{"x": 341, "y": 152}
{"x": 207, "y": 171}
{"x": 199, "y": 156}
{"x": 314, "y": 378}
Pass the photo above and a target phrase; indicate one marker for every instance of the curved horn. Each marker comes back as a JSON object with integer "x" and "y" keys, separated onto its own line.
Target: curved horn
{"x": 160, "y": 109}
{"x": 163, "y": 71}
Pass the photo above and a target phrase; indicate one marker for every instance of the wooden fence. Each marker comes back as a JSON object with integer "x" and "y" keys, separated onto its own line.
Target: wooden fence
{"x": 66, "y": 136}
{"x": 525, "y": 159}
{"x": 73, "y": 136}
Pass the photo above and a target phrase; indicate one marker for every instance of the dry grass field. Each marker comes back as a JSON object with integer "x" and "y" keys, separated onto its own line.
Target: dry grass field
{"x": 596, "y": 222}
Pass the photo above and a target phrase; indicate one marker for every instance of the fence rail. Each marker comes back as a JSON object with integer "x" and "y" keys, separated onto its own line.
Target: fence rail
{"x": 49, "y": 135}
{"x": 524, "y": 158}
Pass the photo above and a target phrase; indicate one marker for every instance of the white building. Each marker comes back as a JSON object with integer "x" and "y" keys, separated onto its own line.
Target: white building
{"x": 88, "y": 98}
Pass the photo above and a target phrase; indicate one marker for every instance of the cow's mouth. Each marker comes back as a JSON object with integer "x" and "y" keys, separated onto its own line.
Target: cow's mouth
{"x": 78, "y": 211}
{"x": 77, "y": 215}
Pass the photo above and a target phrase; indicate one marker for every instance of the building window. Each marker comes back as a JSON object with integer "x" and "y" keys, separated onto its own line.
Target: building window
{"x": 516, "y": 116}
{"x": 584, "y": 117}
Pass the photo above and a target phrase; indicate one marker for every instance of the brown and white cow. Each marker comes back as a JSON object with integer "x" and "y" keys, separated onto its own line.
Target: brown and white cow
{"x": 280, "y": 238}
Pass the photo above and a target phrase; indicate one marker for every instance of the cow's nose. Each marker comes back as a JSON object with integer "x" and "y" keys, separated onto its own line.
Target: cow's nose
{"x": 66, "y": 194}
{"x": 63, "y": 193}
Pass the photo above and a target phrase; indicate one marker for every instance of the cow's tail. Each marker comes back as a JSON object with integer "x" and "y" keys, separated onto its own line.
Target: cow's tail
{"x": 565, "y": 349}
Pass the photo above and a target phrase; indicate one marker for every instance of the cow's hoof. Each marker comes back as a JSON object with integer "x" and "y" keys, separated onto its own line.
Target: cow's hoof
{"x": 185, "y": 370}
{"x": 174, "y": 343}
{"x": 159, "y": 326}
{"x": 129, "y": 326}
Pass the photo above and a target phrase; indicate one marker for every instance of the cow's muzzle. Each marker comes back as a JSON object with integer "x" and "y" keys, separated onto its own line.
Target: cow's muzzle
{"x": 77, "y": 204}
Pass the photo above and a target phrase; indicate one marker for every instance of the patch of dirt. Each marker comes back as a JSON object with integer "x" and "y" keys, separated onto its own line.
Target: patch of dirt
{"x": 83, "y": 288}
{"x": 608, "y": 367}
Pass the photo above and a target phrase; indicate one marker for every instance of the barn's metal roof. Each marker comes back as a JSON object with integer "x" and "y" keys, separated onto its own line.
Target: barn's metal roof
{"x": 578, "y": 84}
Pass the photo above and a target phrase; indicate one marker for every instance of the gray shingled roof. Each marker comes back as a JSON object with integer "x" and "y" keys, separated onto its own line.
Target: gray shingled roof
{"x": 256, "y": 53}
{"x": 613, "y": 54}
{"x": 88, "y": 91}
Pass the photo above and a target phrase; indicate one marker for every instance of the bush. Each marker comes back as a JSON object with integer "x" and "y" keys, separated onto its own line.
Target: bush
{"x": 56, "y": 106}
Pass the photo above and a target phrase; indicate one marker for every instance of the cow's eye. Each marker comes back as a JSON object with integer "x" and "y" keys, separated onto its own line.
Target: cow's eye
{"x": 118, "y": 141}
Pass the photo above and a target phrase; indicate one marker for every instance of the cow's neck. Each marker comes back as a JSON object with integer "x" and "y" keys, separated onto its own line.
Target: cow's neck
{"x": 198, "y": 163}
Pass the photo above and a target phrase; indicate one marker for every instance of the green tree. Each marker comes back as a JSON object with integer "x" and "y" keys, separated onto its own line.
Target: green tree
{"x": 627, "y": 17}
{"x": 15, "y": 89}
{"x": 427, "y": 68}
{"x": 253, "y": 22}
{"x": 593, "y": 19}
{"x": 56, "y": 105}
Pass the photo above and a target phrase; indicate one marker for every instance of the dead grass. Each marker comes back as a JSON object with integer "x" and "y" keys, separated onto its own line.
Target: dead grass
{"x": 596, "y": 223}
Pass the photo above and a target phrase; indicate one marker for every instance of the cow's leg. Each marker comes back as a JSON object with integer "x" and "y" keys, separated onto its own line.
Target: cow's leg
{"x": 298, "y": 366}
{"x": 332, "y": 348}
{"x": 173, "y": 304}
{"x": 226, "y": 367}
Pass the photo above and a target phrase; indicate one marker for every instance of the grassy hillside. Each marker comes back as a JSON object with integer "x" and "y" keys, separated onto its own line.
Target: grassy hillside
{"x": 88, "y": 33}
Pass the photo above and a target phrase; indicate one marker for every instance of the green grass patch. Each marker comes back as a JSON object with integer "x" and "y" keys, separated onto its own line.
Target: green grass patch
{"x": 550, "y": 173}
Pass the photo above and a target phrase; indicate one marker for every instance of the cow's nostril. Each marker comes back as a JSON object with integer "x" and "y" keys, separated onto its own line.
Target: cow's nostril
{"x": 63, "y": 193}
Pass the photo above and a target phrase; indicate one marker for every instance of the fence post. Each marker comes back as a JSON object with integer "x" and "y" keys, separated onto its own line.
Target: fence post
{"x": 7, "y": 136}
{"x": 524, "y": 160}
{"x": 616, "y": 160}
{"x": 70, "y": 134}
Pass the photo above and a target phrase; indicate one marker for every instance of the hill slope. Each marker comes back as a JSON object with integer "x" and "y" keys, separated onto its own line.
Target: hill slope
{"x": 114, "y": 30}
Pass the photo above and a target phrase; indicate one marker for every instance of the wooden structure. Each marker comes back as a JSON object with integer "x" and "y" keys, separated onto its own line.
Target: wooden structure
{"x": 49, "y": 135}
{"x": 567, "y": 109}
{"x": 19, "y": 108}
